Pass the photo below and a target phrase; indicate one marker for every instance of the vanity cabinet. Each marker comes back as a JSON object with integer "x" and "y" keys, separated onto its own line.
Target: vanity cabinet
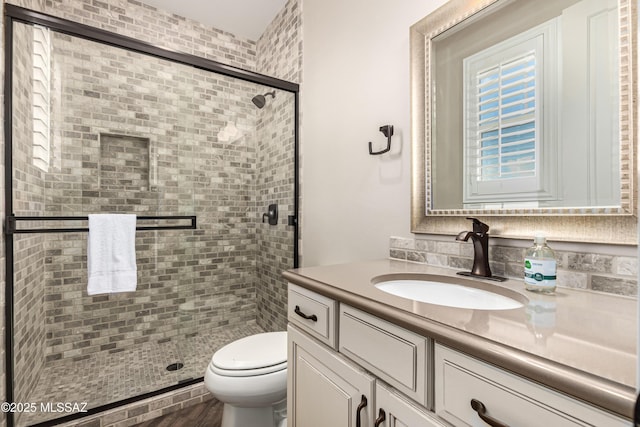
{"x": 504, "y": 397}
{"x": 350, "y": 368}
{"x": 355, "y": 386}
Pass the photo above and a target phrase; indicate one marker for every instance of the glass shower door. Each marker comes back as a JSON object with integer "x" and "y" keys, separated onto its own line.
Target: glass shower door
{"x": 101, "y": 129}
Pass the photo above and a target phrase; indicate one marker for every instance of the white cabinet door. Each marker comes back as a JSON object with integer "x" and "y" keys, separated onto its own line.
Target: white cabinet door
{"x": 324, "y": 389}
{"x": 394, "y": 410}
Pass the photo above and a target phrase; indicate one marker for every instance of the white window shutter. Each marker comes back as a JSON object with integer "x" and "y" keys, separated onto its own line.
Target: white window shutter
{"x": 41, "y": 110}
{"x": 505, "y": 128}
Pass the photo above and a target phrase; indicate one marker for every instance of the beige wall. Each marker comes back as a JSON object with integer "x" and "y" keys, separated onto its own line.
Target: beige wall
{"x": 355, "y": 79}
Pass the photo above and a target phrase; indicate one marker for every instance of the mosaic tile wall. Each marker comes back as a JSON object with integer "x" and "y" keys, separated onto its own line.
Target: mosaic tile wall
{"x": 158, "y": 27}
{"x": 597, "y": 271}
{"x": 280, "y": 46}
{"x": 275, "y": 185}
{"x": 279, "y": 55}
{"x": 149, "y": 115}
{"x": 234, "y": 229}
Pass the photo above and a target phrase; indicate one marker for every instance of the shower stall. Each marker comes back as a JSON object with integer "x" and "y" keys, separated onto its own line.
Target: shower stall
{"x": 101, "y": 123}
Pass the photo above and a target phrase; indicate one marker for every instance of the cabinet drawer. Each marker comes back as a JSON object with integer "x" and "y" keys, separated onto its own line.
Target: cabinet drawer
{"x": 508, "y": 398}
{"x": 313, "y": 313}
{"x": 394, "y": 354}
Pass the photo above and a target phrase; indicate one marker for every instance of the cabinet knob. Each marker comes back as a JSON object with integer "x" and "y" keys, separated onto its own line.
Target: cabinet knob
{"x": 381, "y": 417}
{"x": 481, "y": 410}
{"x": 304, "y": 316}
{"x": 361, "y": 406}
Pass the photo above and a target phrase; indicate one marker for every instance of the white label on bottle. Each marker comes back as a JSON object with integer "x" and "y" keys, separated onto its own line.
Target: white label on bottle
{"x": 540, "y": 272}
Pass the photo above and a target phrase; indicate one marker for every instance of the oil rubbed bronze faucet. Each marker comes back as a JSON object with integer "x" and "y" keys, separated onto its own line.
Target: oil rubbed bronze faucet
{"x": 480, "y": 238}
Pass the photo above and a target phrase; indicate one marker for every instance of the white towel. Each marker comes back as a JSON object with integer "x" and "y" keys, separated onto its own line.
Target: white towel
{"x": 111, "y": 254}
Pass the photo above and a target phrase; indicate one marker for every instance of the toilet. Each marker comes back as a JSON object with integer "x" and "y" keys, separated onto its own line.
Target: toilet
{"x": 249, "y": 376}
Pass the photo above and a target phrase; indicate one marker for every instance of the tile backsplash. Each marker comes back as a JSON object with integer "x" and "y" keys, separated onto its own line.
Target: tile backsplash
{"x": 580, "y": 267}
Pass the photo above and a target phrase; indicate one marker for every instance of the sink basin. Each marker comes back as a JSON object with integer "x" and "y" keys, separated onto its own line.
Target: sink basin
{"x": 449, "y": 292}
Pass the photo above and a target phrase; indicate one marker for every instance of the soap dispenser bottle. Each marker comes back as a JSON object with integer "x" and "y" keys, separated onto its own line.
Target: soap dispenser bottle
{"x": 540, "y": 267}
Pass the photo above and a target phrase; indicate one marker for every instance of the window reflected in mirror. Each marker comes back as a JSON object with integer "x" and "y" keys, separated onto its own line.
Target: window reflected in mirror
{"x": 526, "y": 108}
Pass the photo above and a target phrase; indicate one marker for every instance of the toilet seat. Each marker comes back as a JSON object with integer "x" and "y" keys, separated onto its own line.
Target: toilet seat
{"x": 247, "y": 372}
{"x": 254, "y": 355}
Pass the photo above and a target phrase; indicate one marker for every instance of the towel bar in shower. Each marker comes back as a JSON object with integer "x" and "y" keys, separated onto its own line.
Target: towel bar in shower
{"x": 12, "y": 220}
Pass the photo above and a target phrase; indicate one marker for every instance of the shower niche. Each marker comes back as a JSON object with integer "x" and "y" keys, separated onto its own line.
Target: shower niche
{"x": 166, "y": 136}
{"x": 124, "y": 165}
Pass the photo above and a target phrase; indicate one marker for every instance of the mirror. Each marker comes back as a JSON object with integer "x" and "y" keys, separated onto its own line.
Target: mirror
{"x": 523, "y": 115}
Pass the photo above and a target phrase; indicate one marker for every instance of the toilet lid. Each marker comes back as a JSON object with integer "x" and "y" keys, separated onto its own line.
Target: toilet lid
{"x": 253, "y": 352}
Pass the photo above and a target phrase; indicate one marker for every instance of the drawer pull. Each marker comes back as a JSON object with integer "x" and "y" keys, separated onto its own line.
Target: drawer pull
{"x": 482, "y": 413}
{"x": 381, "y": 417}
{"x": 361, "y": 406}
{"x": 304, "y": 316}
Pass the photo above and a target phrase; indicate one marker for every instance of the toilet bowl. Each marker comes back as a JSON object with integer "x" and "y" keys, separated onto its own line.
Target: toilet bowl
{"x": 249, "y": 376}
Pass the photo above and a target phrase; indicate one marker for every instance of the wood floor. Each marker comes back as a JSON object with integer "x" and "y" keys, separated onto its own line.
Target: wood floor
{"x": 207, "y": 414}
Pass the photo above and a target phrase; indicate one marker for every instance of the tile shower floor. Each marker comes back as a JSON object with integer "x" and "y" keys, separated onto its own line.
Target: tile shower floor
{"x": 105, "y": 378}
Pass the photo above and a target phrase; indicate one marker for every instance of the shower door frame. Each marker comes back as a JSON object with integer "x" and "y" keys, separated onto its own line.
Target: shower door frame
{"x": 18, "y": 14}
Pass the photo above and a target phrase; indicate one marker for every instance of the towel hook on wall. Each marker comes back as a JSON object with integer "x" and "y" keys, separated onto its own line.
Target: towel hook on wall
{"x": 387, "y": 130}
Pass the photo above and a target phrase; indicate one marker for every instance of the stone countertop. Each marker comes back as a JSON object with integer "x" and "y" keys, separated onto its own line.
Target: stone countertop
{"x": 581, "y": 343}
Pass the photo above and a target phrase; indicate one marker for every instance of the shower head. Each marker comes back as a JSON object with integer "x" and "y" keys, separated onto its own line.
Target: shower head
{"x": 259, "y": 100}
